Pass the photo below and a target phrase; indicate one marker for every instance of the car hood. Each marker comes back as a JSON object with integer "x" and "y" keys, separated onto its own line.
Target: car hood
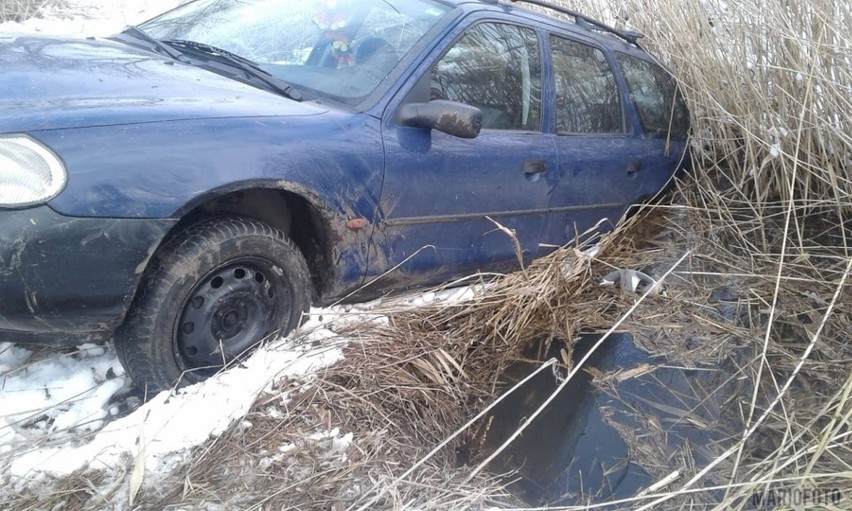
{"x": 55, "y": 83}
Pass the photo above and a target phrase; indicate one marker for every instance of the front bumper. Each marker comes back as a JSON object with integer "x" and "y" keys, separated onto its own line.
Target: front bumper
{"x": 64, "y": 280}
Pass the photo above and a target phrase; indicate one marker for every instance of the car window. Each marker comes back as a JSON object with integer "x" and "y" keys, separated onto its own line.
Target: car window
{"x": 657, "y": 98}
{"x": 341, "y": 49}
{"x": 497, "y": 68}
{"x": 587, "y": 97}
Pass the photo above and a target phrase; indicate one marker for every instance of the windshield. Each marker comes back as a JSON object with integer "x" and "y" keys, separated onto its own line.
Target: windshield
{"x": 341, "y": 49}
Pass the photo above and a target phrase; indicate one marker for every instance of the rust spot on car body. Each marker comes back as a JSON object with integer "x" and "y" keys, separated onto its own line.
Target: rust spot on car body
{"x": 356, "y": 224}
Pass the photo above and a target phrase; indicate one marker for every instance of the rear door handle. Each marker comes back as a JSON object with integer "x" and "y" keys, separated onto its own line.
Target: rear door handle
{"x": 633, "y": 168}
{"x": 535, "y": 166}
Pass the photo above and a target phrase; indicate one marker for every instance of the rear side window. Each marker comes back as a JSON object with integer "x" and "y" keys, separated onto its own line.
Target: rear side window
{"x": 587, "y": 97}
{"x": 654, "y": 90}
{"x": 496, "y": 68}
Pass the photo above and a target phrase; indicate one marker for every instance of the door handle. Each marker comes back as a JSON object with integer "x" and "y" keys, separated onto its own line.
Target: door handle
{"x": 535, "y": 166}
{"x": 633, "y": 168}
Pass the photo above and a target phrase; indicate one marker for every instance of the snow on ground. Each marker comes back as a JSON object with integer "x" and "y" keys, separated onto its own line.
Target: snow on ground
{"x": 90, "y": 17}
{"x": 166, "y": 426}
{"x": 65, "y": 411}
{"x": 53, "y": 395}
{"x": 55, "y": 412}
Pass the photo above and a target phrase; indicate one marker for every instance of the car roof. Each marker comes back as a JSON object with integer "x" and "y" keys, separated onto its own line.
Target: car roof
{"x": 606, "y": 38}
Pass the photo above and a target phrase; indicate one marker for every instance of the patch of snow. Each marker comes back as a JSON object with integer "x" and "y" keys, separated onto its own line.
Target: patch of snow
{"x": 57, "y": 397}
{"x": 167, "y": 426}
{"x": 775, "y": 151}
{"x": 342, "y": 443}
{"x": 54, "y": 411}
{"x": 12, "y": 357}
{"x": 82, "y": 18}
{"x": 331, "y": 441}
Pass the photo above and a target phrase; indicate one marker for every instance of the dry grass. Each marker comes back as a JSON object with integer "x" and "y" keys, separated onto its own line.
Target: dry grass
{"x": 20, "y": 10}
{"x": 396, "y": 394}
{"x": 769, "y": 84}
{"x": 775, "y": 375}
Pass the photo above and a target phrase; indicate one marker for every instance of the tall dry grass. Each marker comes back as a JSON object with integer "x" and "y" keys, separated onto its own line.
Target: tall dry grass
{"x": 20, "y": 10}
{"x": 769, "y": 83}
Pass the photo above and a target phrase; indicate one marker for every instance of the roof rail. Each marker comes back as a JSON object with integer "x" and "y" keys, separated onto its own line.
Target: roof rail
{"x": 582, "y": 20}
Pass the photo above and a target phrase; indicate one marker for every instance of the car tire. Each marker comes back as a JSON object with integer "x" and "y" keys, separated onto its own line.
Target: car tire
{"x": 212, "y": 293}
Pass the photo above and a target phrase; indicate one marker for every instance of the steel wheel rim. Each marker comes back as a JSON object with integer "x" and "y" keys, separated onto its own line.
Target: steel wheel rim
{"x": 228, "y": 311}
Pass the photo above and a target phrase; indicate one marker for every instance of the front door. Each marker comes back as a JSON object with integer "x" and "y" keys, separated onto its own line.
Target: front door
{"x": 455, "y": 206}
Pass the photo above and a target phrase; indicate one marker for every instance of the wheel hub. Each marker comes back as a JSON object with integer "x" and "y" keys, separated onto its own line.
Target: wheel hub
{"x": 226, "y": 313}
{"x": 232, "y": 318}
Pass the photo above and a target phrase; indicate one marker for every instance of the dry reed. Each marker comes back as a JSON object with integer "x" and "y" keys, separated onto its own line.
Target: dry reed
{"x": 20, "y": 10}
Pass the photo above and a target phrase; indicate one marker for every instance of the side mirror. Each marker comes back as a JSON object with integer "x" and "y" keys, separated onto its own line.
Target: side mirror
{"x": 457, "y": 119}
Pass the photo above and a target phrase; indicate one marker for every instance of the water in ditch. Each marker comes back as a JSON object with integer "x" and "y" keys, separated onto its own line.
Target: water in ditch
{"x": 577, "y": 451}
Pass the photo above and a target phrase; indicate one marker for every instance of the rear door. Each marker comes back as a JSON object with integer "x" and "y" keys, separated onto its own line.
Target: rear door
{"x": 661, "y": 116}
{"x": 599, "y": 171}
{"x": 453, "y": 206}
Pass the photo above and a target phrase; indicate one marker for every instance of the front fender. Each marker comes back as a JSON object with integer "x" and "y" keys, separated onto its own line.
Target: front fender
{"x": 154, "y": 170}
{"x": 165, "y": 169}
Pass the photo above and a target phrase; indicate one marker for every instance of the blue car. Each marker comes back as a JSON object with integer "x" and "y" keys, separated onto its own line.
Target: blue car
{"x": 192, "y": 185}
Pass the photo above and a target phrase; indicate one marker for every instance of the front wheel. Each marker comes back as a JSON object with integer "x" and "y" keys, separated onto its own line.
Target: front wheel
{"x": 214, "y": 292}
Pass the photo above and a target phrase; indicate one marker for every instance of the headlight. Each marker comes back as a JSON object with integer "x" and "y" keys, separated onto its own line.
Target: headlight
{"x": 30, "y": 173}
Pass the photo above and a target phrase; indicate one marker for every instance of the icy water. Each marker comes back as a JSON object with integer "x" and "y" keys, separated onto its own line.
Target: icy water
{"x": 573, "y": 454}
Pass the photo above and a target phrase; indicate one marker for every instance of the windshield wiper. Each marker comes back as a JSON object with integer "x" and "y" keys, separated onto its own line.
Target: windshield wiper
{"x": 139, "y": 34}
{"x": 247, "y": 66}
